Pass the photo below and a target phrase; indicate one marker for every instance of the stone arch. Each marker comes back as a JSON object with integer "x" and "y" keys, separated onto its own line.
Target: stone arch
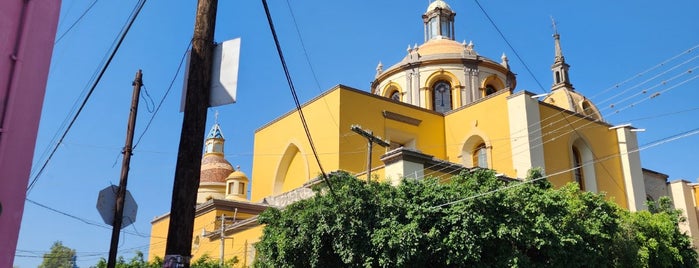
{"x": 442, "y": 75}
{"x": 491, "y": 82}
{"x": 389, "y": 89}
{"x": 587, "y": 162}
{"x": 476, "y": 146}
{"x": 291, "y": 153}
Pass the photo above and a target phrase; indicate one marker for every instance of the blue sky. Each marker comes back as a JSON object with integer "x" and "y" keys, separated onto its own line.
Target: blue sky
{"x": 605, "y": 42}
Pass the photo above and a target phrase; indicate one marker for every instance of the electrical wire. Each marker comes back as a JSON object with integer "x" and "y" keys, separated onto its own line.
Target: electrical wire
{"x": 310, "y": 67}
{"x": 537, "y": 124}
{"x": 147, "y": 99}
{"x": 157, "y": 108}
{"x": 75, "y": 23}
{"x": 510, "y": 45}
{"x": 89, "y": 222}
{"x": 674, "y": 137}
{"x": 130, "y": 22}
{"x": 295, "y": 96}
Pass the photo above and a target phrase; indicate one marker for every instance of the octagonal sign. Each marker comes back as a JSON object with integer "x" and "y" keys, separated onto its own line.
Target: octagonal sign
{"x": 106, "y": 205}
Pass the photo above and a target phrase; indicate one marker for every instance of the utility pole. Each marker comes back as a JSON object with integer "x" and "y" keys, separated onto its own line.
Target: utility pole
{"x": 186, "y": 182}
{"x": 223, "y": 236}
{"x": 371, "y": 139}
{"x": 121, "y": 192}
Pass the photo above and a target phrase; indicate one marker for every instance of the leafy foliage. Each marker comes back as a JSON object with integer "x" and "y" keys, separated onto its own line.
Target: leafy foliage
{"x": 60, "y": 256}
{"x": 138, "y": 261}
{"x": 654, "y": 239}
{"x": 468, "y": 221}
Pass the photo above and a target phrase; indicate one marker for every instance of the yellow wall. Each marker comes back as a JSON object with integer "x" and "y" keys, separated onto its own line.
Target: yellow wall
{"x": 209, "y": 221}
{"x": 274, "y": 140}
{"x": 560, "y": 129}
{"x": 158, "y": 238}
{"x": 330, "y": 117}
{"x": 367, "y": 111}
{"x": 489, "y": 120}
{"x": 283, "y": 157}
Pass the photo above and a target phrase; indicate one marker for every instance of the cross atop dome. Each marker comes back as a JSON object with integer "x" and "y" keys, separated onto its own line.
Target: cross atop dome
{"x": 215, "y": 132}
{"x": 214, "y": 141}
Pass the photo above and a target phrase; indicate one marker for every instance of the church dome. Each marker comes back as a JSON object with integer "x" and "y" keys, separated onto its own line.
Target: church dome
{"x": 438, "y": 4}
{"x": 237, "y": 175}
{"x": 214, "y": 168}
{"x": 236, "y": 185}
{"x": 440, "y": 46}
{"x": 573, "y": 101}
{"x": 442, "y": 74}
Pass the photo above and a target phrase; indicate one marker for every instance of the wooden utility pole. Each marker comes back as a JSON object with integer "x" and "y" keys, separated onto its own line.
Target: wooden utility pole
{"x": 222, "y": 235}
{"x": 121, "y": 192}
{"x": 187, "y": 171}
{"x": 371, "y": 139}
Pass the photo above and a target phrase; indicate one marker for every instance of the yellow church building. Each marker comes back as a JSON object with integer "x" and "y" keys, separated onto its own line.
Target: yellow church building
{"x": 442, "y": 109}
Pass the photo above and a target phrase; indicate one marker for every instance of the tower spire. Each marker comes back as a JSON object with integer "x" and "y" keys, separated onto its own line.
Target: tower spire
{"x": 557, "y": 43}
{"x": 559, "y": 67}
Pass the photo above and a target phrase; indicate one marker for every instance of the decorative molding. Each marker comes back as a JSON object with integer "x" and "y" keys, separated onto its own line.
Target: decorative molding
{"x": 401, "y": 118}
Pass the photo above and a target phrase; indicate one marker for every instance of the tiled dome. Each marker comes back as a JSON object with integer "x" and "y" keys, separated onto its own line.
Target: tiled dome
{"x": 215, "y": 169}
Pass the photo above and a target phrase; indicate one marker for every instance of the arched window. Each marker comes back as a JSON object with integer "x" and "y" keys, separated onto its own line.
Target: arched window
{"x": 578, "y": 174}
{"x": 490, "y": 89}
{"x": 480, "y": 156}
{"x": 558, "y": 77}
{"x": 395, "y": 95}
{"x": 241, "y": 188}
{"x": 229, "y": 187}
{"x": 582, "y": 163}
{"x": 433, "y": 30}
{"x": 587, "y": 108}
{"x": 441, "y": 96}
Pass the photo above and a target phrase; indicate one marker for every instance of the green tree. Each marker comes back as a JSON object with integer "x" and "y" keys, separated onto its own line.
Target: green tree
{"x": 652, "y": 238}
{"x": 60, "y": 256}
{"x": 138, "y": 261}
{"x": 474, "y": 220}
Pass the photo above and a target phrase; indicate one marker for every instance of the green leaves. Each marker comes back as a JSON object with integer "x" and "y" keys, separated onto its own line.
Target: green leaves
{"x": 488, "y": 222}
{"x": 60, "y": 256}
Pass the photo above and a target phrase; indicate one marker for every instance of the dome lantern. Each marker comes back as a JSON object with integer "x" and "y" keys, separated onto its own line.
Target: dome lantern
{"x": 439, "y": 21}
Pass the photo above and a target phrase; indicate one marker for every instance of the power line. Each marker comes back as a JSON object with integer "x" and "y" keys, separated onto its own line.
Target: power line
{"x": 75, "y": 23}
{"x": 310, "y": 67}
{"x": 172, "y": 82}
{"x": 86, "y": 221}
{"x": 674, "y": 137}
{"x": 617, "y": 85}
{"x": 510, "y": 45}
{"x": 295, "y": 96}
{"x": 130, "y": 22}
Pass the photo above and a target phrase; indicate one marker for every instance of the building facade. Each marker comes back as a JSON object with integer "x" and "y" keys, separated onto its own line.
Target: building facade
{"x": 442, "y": 109}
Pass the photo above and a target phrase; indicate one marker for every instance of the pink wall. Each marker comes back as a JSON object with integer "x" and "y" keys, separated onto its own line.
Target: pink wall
{"x": 27, "y": 32}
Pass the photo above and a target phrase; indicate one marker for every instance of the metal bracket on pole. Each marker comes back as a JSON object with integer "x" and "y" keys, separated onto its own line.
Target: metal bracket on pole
{"x": 371, "y": 139}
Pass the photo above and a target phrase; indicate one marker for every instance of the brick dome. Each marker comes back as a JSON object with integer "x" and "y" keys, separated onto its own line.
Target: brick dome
{"x": 214, "y": 168}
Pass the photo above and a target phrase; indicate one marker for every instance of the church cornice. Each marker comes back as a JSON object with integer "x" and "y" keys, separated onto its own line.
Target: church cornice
{"x": 440, "y": 59}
